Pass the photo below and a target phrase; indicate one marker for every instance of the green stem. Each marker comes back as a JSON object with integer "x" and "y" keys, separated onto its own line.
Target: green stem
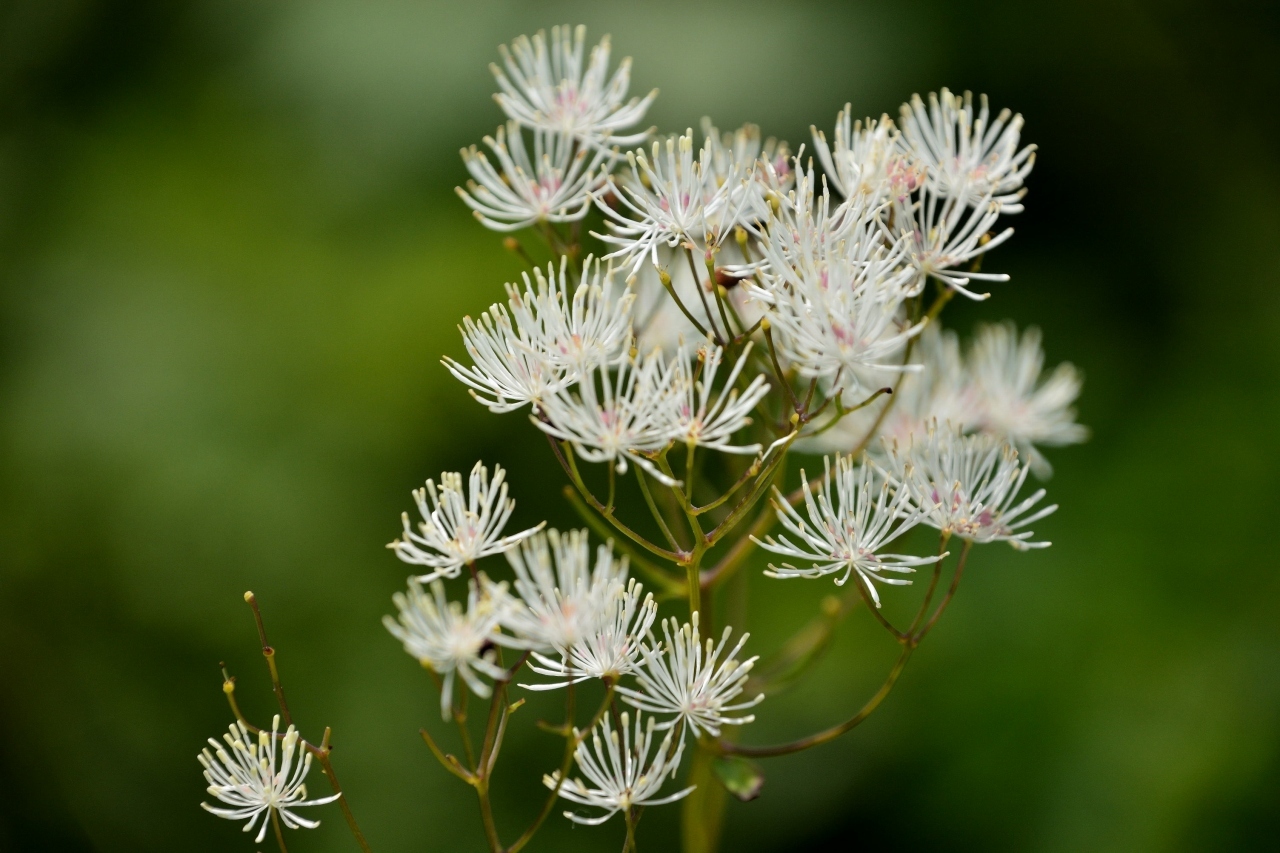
{"x": 275, "y": 824}
{"x": 572, "y": 740}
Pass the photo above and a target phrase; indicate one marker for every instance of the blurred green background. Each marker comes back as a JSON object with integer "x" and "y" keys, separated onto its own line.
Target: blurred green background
{"x": 230, "y": 258}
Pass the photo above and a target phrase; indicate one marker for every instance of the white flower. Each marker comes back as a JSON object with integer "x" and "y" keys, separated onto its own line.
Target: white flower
{"x": 620, "y": 770}
{"x": 710, "y": 419}
{"x": 551, "y": 90}
{"x": 254, "y": 778}
{"x": 847, "y": 533}
{"x": 692, "y": 682}
{"x": 505, "y": 368}
{"x": 562, "y": 598}
{"x": 544, "y": 339}
{"x": 1015, "y": 403}
{"x": 554, "y": 186}
{"x": 738, "y": 155}
{"x": 967, "y": 158}
{"x": 966, "y": 485}
{"x": 617, "y": 419}
{"x": 940, "y": 390}
{"x": 857, "y": 161}
{"x": 575, "y": 333}
{"x": 833, "y": 291}
{"x": 674, "y": 200}
{"x": 459, "y": 527}
{"x": 611, "y": 649}
{"x": 943, "y": 229}
{"x": 448, "y": 639}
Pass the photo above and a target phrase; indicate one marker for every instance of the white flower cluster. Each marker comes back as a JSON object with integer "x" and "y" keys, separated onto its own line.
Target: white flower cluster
{"x": 995, "y": 387}
{"x": 765, "y": 303}
{"x": 579, "y": 620}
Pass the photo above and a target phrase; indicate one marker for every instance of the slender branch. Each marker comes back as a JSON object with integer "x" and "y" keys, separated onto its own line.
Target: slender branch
{"x": 630, "y": 846}
{"x": 275, "y": 824}
{"x": 653, "y": 509}
{"x": 638, "y": 560}
{"x": 571, "y": 468}
{"x": 933, "y": 585}
{"x": 955, "y": 582}
{"x": 449, "y": 762}
{"x": 744, "y": 506}
{"x": 321, "y": 752}
{"x": 875, "y": 611}
{"x": 665, "y": 278}
{"x": 777, "y": 367}
{"x": 827, "y": 734}
{"x": 270, "y": 654}
{"x": 841, "y": 411}
{"x": 572, "y": 741}
{"x": 460, "y": 718}
{"x": 752, "y": 470}
{"x": 327, "y": 766}
{"x": 702, "y": 296}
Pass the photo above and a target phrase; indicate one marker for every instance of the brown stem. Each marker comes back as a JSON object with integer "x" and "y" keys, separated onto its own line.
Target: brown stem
{"x": 946, "y": 599}
{"x": 275, "y": 824}
{"x": 327, "y": 766}
{"x": 933, "y": 585}
{"x": 270, "y": 654}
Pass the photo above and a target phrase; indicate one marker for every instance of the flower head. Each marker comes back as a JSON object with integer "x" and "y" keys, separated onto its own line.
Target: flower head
{"x": 1015, "y": 403}
{"x": 942, "y": 232}
{"x": 563, "y": 599}
{"x": 832, "y": 290}
{"x": 708, "y": 418}
{"x": 845, "y": 533}
{"x": 619, "y": 419}
{"x": 448, "y": 639}
{"x": 459, "y": 527}
{"x": 545, "y": 338}
{"x": 693, "y": 682}
{"x": 966, "y": 486}
{"x": 968, "y": 158}
{"x": 574, "y": 329}
{"x": 550, "y": 88}
{"x": 620, "y": 769}
{"x": 257, "y": 775}
{"x": 554, "y": 186}
{"x": 611, "y": 650}
{"x": 856, "y": 161}
{"x": 678, "y": 198}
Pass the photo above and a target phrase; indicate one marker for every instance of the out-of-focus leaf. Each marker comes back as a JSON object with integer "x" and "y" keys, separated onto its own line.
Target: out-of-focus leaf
{"x": 740, "y": 776}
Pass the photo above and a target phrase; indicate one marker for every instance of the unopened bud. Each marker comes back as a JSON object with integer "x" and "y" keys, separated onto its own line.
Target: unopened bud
{"x": 664, "y": 277}
{"x": 765, "y": 325}
{"x": 795, "y": 418}
{"x": 511, "y": 244}
{"x": 248, "y": 596}
{"x": 740, "y": 234}
{"x": 831, "y": 606}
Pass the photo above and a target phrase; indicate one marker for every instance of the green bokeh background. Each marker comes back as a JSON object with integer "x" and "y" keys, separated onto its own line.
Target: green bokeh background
{"x": 230, "y": 258}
